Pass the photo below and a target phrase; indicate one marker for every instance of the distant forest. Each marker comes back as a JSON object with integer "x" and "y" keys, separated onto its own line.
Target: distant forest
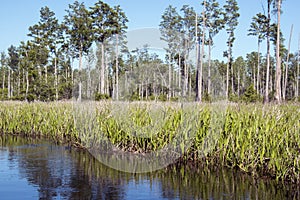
{"x": 85, "y": 55}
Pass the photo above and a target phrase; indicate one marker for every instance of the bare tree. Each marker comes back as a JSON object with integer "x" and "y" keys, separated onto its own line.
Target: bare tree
{"x": 298, "y": 76}
{"x": 287, "y": 66}
{"x": 278, "y": 58}
{"x": 266, "y": 98}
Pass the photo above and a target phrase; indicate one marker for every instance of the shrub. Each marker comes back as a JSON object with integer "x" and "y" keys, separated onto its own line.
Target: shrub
{"x": 250, "y": 95}
{"x": 99, "y": 96}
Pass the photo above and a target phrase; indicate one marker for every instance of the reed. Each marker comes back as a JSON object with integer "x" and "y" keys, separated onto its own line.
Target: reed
{"x": 262, "y": 140}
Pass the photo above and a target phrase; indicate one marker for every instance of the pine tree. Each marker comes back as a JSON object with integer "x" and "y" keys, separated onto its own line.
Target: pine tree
{"x": 231, "y": 20}
{"x": 79, "y": 30}
{"x": 170, "y": 27}
{"x": 102, "y": 18}
{"x": 214, "y": 24}
{"x": 258, "y": 29}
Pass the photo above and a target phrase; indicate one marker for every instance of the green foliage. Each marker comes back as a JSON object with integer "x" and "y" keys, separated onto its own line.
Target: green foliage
{"x": 99, "y": 97}
{"x": 206, "y": 97}
{"x": 78, "y": 26}
{"x": 3, "y": 94}
{"x": 30, "y": 97}
{"x": 250, "y": 95}
{"x": 174, "y": 99}
{"x": 162, "y": 97}
{"x": 65, "y": 90}
{"x": 134, "y": 97}
{"x": 234, "y": 98}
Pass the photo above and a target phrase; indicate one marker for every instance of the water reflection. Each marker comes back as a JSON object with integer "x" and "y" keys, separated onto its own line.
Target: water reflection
{"x": 42, "y": 170}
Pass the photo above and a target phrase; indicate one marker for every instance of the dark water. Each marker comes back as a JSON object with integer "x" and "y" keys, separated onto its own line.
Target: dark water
{"x": 33, "y": 169}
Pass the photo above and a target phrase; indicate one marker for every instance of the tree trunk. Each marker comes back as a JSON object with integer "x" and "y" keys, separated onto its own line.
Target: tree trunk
{"x": 27, "y": 84}
{"x": 197, "y": 61}
{"x": 89, "y": 82}
{"x": 72, "y": 72}
{"x": 184, "y": 86}
{"x": 190, "y": 83}
{"x": 287, "y": 66}
{"x": 170, "y": 79}
{"x": 3, "y": 81}
{"x": 209, "y": 67}
{"x": 106, "y": 75}
{"x": 254, "y": 78}
{"x": 23, "y": 79}
{"x": 227, "y": 70}
{"x": 227, "y": 78}
{"x": 266, "y": 99}
{"x": 199, "y": 74}
{"x": 278, "y": 59}
{"x": 238, "y": 87}
{"x": 202, "y": 51}
{"x": 298, "y": 75}
{"x": 258, "y": 67}
{"x": 80, "y": 81}
{"x": 12, "y": 84}
{"x": 46, "y": 74}
{"x": 117, "y": 67}
{"x": 19, "y": 82}
{"x": 55, "y": 78}
{"x": 179, "y": 75}
{"x": 102, "y": 70}
{"x": 8, "y": 84}
{"x": 232, "y": 79}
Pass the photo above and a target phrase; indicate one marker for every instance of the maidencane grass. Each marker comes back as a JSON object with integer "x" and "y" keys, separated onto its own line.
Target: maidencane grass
{"x": 53, "y": 120}
{"x": 258, "y": 139}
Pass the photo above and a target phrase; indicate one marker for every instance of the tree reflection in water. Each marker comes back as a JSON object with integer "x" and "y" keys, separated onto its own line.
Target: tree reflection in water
{"x": 63, "y": 173}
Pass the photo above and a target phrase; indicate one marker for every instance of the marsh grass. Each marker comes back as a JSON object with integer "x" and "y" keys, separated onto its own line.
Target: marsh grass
{"x": 262, "y": 140}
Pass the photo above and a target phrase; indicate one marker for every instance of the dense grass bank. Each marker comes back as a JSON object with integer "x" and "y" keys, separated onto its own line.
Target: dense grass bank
{"x": 263, "y": 140}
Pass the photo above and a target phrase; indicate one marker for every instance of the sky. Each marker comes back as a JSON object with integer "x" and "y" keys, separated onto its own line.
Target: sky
{"x": 17, "y": 15}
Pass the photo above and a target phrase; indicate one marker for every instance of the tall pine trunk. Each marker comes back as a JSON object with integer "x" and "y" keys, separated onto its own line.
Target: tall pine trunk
{"x": 89, "y": 82}
{"x": 266, "y": 99}
{"x": 19, "y": 82}
{"x": 179, "y": 75}
{"x": 3, "y": 81}
{"x": 27, "y": 84}
{"x": 184, "y": 86}
{"x": 232, "y": 79}
{"x": 46, "y": 74}
{"x": 298, "y": 75}
{"x": 197, "y": 61}
{"x": 170, "y": 79}
{"x": 227, "y": 70}
{"x": 238, "y": 82}
{"x": 258, "y": 67}
{"x": 199, "y": 85}
{"x": 102, "y": 70}
{"x": 23, "y": 79}
{"x": 278, "y": 59}
{"x": 8, "y": 84}
{"x": 106, "y": 75}
{"x": 12, "y": 84}
{"x": 254, "y": 77}
{"x": 117, "y": 67}
{"x": 55, "y": 78}
{"x": 209, "y": 67}
{"x": 80, "y": 71}
{"x": 287, "y": 66}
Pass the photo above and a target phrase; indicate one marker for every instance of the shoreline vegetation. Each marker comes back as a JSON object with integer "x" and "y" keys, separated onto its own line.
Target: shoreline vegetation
{"x": 261, "y": 140}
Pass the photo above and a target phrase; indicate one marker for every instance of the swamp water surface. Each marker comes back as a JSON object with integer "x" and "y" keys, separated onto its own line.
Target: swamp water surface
{"x": 37, "y": 169}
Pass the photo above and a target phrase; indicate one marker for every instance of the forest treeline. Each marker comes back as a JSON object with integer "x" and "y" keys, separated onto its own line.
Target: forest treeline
{"x": 85, "y": 55}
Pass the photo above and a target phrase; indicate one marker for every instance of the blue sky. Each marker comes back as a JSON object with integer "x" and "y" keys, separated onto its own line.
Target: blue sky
{"x": 17, "y": 15}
